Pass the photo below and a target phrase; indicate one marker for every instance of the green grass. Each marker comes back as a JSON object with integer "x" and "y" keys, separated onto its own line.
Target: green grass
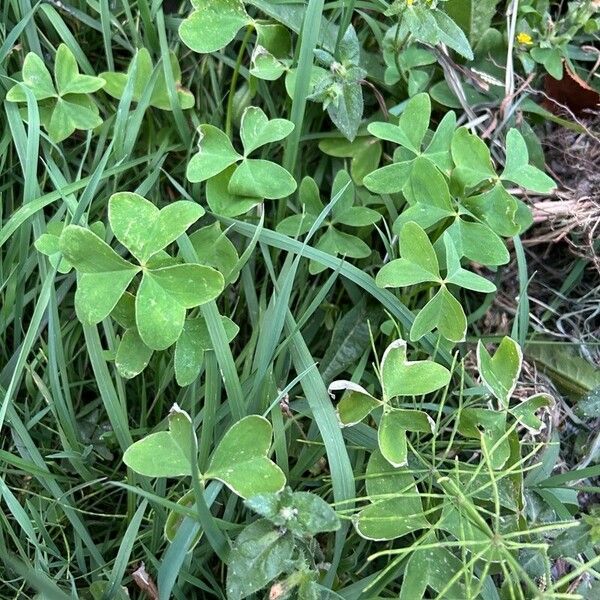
{"x": 75, "y": 522}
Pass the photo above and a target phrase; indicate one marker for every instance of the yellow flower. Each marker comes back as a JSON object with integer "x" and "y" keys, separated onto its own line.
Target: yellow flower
{"x": 410, "y": 2}
{"x": 524, "y": 38}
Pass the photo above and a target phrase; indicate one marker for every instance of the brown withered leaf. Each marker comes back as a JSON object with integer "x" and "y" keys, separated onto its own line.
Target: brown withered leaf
{"x": 570, "y": 91}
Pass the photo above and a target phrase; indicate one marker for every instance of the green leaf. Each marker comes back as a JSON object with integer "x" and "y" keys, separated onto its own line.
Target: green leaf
{"x": 490, "y": 427}
{"x": 70, "y": 113}
{"x": 261, "y": 179}
{"x": 497, "y": 209}
{"x": 456, "y": 275}
{"x": 68, "y": 78}
{"x": 478, "y": 243}
{"x": 257, "y": 130}
{"x": 164, "y": 295}
{"x": 517, "y": 168}
{"x": 133, "y": 355}
{"x": 443, "y": 312}
{"x": 191, "y": 345}
{"x": 473, "y": 16}
{"x": 346, "y": 110}
{"x": 391, "y": 434}
{"x": 500, "y": 372}
{"x": 215, "y": 154}
{"x": 213, "y": 24}
{"x": 356, "y": 403}
{"x": 36, "y": 77}
{"x": 401, "y": 377}
{"x": 214, "y": 249}
{"x": 104, "y": 275}
{"x": 525, "y": 411}
{"x": 224, "y": 203}
{"x": 174, "y": 519}
{"x": 166, "y": 453}
{"x": 472, "y": 159}
{"x": 418, "y": 262}
{"x": 48, "y": 244}
{"x": 452, "y": 35}
{"x": 240, "y": 460}
{"x": 396, "y": 508}
{"x": 432, "y": 568}
{"x": 389, "y": 179}
{"x": 260, "y": 553}
{"x": 144, "y": 229}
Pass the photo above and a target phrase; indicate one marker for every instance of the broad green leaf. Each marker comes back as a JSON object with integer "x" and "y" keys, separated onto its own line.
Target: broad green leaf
{"x": 104, "y": 275}
{"x": 214, "y": 249}
{"x": 260, "y": 553}
{"x": 461, "y": 277}
{"x": 191, "y": 345}
{"x": 525, "y": 412}
{"x": 396, "y": 508}
{"x": 490, "y": 427}
{"x": 418, "y": 262}
{"x": 48, "y": 244}
{"x": 519, "y": 171}
{"x": 116, "y": 82}
{"x": 163, "y": 296}
{"x": 500, "y": 372}
{"x": 346, "y": 110}
{"x": 166, "y": 453}
{"x": 240, "y": 460}
{"x": 439, "y": 149}
{"x": 389, "y": 179}
{"x": 270, "y": 54}
{"x": 303, "y": 513}
{"x": 473, "y": 16}
{"x": 497, "y": 209}
{"x": 478, "y": 243}
{"x": 261, "y": 179}
{"x": 356, "y": 403}
{"x": 224, "y": 203}
{"x": 391, "y": 434}
{"x": 70, "y": 113}
{"x": 144, "y": 229}
{"x": 472, "y": 159}
{"x": 215, "y": 154}
{"x": 213, "y": 24}
{"x": 402, "y": 377}
{"x": 36, "y": 77}
{"x": 133, "y": 355}
{"x": 68, "y": 78}
{"x": 452, "y": 35}
{"x": 174, "y": 519}
{"x": 365, "y": 153}
{"x": 443, "y": 312}
{"x": 432, "y": 568}
{"x": 257, "y": 130}
{"x": 428, "y": 186}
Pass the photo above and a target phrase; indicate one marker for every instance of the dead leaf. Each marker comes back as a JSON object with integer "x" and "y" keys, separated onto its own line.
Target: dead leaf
{"x": 571, "y": 91}
{"x": 145, "y": 582}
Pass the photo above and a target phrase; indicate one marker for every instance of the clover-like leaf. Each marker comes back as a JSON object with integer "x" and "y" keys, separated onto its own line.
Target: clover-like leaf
{"x": 391, "y": 434}
{"x": 214, "y": 249}
{"x": 472, "y": 158}
{"x": 525, "y": 412}
{"x": 356, "y": 403}
{"x": 418, "y": 262}
{"x": 165, "y": 453}
{"x": 164, "y": 295}
{"x": 456, "y": 275}
{"x": 443, "y": 312}
{"x": 490, "y": 427}
{"x": 401, "y": 377}
{"x": 260, "y": 178}
{"x": 213, "y": 24}
{"x": 395, "y": 508}
{"x": 133, "y": 355}
{"x": 240, "y": 460}
{"x": 270, "y": 57}
{"x": 215, "y": 154}
{"x": 191, "y": 345}
{"x": 104, "y": 275}
{"x": 517, "y": 168}
{"x": 144, "y": 229}
{"x": 48, "y": 244}
{"x": 221, "y": 201}
{"x": 501, "y": 371}
{"x": 142, "y": 63}
{"x": 257, "y": 130}
{"x": 65, "y": 103}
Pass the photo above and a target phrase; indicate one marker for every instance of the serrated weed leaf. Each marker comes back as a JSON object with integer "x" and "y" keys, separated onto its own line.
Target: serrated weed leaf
{"x": 500, "y": 372}
{"x": 240, "y": 460}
